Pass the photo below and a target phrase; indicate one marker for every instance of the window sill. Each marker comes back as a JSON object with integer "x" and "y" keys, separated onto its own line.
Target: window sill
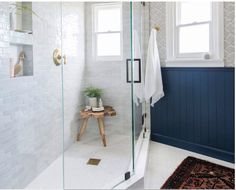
{"x": 194, "y": 63}
{"x": 107, "y": 59}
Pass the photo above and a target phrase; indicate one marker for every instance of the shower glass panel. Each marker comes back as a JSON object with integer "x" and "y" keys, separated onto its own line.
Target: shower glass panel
{"x": 97, "y": 131}
{"x": 31, "y": 132}
{"x": 66, "y": 103}
{"x": 138, "y": 54}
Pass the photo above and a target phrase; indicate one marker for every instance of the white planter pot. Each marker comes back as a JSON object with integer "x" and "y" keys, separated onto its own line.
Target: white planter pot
{"x": 93, "y": 102}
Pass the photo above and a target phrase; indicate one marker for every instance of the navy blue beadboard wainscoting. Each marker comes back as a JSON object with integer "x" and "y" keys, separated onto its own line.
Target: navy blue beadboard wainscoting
{"x": 197, "y": 112}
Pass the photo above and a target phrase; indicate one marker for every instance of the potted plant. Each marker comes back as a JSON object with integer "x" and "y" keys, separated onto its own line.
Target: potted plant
{"x": 93, "y": 94}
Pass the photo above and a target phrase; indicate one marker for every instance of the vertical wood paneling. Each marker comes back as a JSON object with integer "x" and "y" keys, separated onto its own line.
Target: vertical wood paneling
{"x": 197, "y": 110}
{"x": 189, "y": 105}
{"x": 212, "y": 104}
{"x": 182, "y": 108}
{"x": 172, "y": 106}
{"x": 220, "y": 111}
{"x": 164, "y": 106}
{"x": 204, "y": 107}
{"x": 229, "y": 112}
{"x": 177, "y": 105}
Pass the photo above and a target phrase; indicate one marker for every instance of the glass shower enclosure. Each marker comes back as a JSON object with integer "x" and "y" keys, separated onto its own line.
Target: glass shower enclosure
{"x": 46, "y": 64}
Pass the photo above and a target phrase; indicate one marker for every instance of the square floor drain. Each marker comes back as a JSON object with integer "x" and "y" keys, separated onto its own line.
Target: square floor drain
{"x": 93, "y": 161}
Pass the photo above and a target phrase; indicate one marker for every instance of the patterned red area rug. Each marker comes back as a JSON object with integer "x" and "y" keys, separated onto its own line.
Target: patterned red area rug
{"x": 194, "y": 173}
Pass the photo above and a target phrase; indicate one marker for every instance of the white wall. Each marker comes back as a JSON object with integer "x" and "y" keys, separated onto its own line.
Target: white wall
{"x": 31, "y": 107}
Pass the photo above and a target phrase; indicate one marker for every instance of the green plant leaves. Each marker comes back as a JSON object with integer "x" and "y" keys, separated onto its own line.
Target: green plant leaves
{"x": 93, "y": 92}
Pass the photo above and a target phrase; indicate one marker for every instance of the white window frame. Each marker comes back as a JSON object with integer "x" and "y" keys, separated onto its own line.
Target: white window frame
{"x": 216, "y": 40}
{"x": 95, "y": 8}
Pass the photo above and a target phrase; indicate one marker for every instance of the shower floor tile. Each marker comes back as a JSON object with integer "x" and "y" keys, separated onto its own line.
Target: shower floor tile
{"x": 115, "y": 160}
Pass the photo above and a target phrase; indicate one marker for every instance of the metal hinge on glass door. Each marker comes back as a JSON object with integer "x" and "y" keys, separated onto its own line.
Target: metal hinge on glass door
{"x": 143, "y": 121}
{"x": 127, "y": 175}
{"x": 57, "y": 58}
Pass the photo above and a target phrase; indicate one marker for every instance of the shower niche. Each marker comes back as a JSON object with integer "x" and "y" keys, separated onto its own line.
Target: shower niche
{"x": 20, "y": 39}
{"x": 21, "y": 60}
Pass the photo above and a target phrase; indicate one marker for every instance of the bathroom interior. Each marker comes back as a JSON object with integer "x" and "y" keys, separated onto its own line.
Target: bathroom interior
{"x": 71, "y": 75}
{"x": 49, "y": 62}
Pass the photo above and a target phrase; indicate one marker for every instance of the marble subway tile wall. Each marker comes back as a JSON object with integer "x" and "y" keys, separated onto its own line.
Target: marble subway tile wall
{"x": 30, "y": 107}
{"x": 110, "y": 76}
{"x": 73, "y": 46}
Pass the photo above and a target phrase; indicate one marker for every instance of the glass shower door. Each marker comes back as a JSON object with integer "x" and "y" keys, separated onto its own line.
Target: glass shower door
{"x": 139, "y": 27}
{"x": 98, "y": 143}
{"x": 31, "y": 132}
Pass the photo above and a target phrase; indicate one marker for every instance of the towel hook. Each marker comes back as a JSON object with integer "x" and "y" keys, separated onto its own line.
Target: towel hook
{"x": 157, "y": 27}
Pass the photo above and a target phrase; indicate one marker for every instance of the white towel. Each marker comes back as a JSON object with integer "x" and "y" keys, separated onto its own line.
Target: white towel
{"x": 153, "y": 79}
{"x": 138, "y": 87}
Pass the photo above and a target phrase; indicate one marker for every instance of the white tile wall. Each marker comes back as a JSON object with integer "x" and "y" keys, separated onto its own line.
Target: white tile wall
{"x": 30, "y": 107}
{"x": 111, "y": 77}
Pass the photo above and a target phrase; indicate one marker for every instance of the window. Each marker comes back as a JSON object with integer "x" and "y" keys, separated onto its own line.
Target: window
{"x": 194, "y": 33}
{"x": 107, "y": 31}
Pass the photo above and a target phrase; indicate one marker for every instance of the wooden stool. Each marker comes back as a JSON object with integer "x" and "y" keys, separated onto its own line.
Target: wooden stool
{"x": 108, "y": 111}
